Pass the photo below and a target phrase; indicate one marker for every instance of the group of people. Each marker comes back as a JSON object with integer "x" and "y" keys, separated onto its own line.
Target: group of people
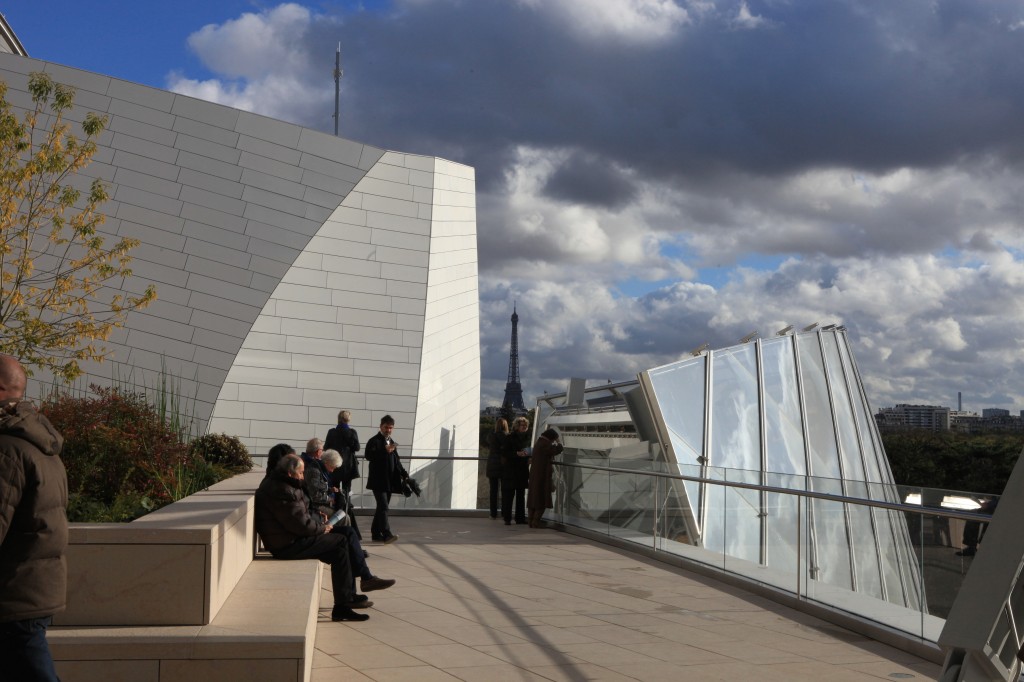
{"x": 514, "y": 467}
{"x": 304, "y": 508}
{"x": 303, "y": 511}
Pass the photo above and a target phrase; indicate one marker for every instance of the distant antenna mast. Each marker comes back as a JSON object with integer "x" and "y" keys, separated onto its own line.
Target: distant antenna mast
{"x": 337, "y": 86}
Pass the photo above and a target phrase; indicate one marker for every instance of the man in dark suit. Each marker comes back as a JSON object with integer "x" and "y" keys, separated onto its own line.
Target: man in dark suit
{"x": 386, "y": 476}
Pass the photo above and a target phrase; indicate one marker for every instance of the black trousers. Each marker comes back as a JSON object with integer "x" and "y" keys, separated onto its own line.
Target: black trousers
{"x": 332, "y": 549}
{"x": 495, "y": 487}
{"x": 380, "y": 529}
{"x": 355, "y": 552}
{"x": 507, "y": 495}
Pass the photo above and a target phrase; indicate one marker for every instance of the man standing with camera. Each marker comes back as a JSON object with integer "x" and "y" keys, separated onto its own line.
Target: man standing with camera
{"x": 386, "y": 476}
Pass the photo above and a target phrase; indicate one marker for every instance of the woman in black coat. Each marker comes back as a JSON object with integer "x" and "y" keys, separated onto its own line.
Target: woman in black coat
{"x": 496, "y": 443}
{"x": 345, "y": 440}
{"x": 515, "y": 473}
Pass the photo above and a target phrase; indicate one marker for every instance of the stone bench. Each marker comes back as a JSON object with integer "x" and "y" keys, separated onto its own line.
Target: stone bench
{"x": 176, "y": 595}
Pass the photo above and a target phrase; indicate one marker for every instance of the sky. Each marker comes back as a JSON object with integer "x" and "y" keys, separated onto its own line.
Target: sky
{"x": 653, "y": 175}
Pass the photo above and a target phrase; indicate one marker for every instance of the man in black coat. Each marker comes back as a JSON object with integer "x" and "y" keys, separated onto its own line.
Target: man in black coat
{"x": 289, "y": 531}
{"x": 386, "y": 476}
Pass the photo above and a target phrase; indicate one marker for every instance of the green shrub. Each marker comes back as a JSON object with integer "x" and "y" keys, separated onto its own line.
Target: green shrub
{"x": 227, "y": 451}
{"x": 125, "y": 507}
{"x": 190, "y": 477}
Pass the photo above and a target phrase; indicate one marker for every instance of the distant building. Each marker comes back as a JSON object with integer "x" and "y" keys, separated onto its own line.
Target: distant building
{"x": 994, "y": 412}
{"x": 965, "y": 422}
{"x": 932, "y": 417}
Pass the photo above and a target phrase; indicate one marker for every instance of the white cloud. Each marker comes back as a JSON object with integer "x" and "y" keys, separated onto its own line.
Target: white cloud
{"x": 745, "y": 19}
{"x": 633, "y": 21}
{"x": 264, "y": 63}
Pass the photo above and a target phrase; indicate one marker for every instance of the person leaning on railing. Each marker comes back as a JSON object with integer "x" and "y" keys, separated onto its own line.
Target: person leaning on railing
{"x": 542, "y": 476}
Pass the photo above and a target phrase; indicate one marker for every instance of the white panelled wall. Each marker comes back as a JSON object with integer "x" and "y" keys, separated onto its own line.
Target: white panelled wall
{"x": 297, "y": 273}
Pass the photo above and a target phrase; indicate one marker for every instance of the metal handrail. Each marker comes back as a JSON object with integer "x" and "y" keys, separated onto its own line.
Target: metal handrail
{"x": 893, "y": 506}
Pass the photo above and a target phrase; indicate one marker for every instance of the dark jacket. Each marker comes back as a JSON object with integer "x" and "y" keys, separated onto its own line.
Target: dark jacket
{"x": 495, "y": 443}
{"x": 33, "y": 517}
{"x": 386, "y": 470}
{"x": 345, "y": 440}
{"x": 515, "y": 469}
{"x": 282, "y": 512}
{"x": 542, "y": 474}
{"x": 317, "y": 483}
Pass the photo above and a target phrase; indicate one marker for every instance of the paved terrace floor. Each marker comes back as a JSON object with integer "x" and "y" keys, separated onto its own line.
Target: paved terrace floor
{"x": 480, "y": 601}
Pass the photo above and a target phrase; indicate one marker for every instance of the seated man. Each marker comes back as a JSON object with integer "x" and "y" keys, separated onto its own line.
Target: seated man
{"x": 289, "y": 531}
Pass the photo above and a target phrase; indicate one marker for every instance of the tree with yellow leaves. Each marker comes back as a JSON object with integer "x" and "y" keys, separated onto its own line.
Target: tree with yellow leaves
{"x": 60, "y": 285}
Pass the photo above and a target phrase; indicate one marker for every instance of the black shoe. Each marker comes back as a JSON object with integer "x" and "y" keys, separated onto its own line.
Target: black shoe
{"x": 376, "y": 539}
{"x": 358, "y": 599}
{"x": 508, "y": 523}
{"x": 345, "y": 613}
{"x": 375, "y": 583}
{"x": 389, "y": 539}
{"x": 364, "y": 604}
{"x": 365, "y": 554}
{"x": 967, "y": 552}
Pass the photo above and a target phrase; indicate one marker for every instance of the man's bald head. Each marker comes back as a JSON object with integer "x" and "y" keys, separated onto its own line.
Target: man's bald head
{"x": 12, "y": 379}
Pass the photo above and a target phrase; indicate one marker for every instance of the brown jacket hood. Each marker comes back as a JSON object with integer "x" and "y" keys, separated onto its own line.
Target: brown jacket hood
{"x": 24, "y": 422}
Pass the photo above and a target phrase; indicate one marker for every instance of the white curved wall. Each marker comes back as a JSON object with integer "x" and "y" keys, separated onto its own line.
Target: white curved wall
{"x": 297, "y": 273}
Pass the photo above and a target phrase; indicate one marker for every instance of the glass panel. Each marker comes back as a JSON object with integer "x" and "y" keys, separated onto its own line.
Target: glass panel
{"x": 899, "y": 589}
{"x": 679, "y": 397}
{"x": 781, "y": 533}
{"x": 735, "y": 431}
{"x": 743, "y": 518}
{"x": 866, "y": 560}
{"x": 853, "y": 466}
{"x": 830, "y": 558}
{"x": 824, "y": 454}
{"x": 713, "y": 538}
{"x": 784, "y": 436}
{"x": 872, "y": 449}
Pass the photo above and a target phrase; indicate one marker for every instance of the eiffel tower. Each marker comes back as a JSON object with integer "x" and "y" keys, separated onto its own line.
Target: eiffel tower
{"x": 513, "y": 389}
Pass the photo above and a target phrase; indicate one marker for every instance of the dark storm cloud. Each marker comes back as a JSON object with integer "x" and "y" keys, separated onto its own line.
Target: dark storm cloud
{"x": 872, "y": 85}
{"x": 587, "y": 179}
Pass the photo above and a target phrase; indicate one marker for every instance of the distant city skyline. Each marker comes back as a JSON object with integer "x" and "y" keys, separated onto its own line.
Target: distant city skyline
{"x": 659, "y": 174}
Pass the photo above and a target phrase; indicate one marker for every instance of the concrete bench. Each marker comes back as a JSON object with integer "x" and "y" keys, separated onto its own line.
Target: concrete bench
{"x": 176, "y": 595}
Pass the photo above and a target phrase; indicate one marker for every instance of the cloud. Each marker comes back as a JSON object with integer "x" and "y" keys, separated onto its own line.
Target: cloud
{"x": 653, "y": 175}
{"x": 633, "y": 21}
{"x": 264, "y": 65}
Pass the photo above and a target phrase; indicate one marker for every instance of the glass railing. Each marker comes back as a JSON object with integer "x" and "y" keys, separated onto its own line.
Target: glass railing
{"x": 891, "y": 554}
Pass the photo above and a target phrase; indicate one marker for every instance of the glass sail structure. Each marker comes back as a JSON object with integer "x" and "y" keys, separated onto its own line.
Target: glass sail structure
{"x": 788, "y": 412}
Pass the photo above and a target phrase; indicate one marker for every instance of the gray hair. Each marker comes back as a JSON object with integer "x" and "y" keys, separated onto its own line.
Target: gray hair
{"x": 289, "y": 464}
{"x": 331, "y": 458}
{"x": 313, "y": 445}
{"x": 344, "y": 416}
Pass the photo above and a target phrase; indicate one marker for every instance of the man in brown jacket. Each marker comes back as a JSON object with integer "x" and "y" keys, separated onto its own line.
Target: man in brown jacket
{"x": 33, "y": 530}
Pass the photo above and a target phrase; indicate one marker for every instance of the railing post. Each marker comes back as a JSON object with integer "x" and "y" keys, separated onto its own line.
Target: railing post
{"x": 657, "y": 508}
{"x": 799, "y": 543}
